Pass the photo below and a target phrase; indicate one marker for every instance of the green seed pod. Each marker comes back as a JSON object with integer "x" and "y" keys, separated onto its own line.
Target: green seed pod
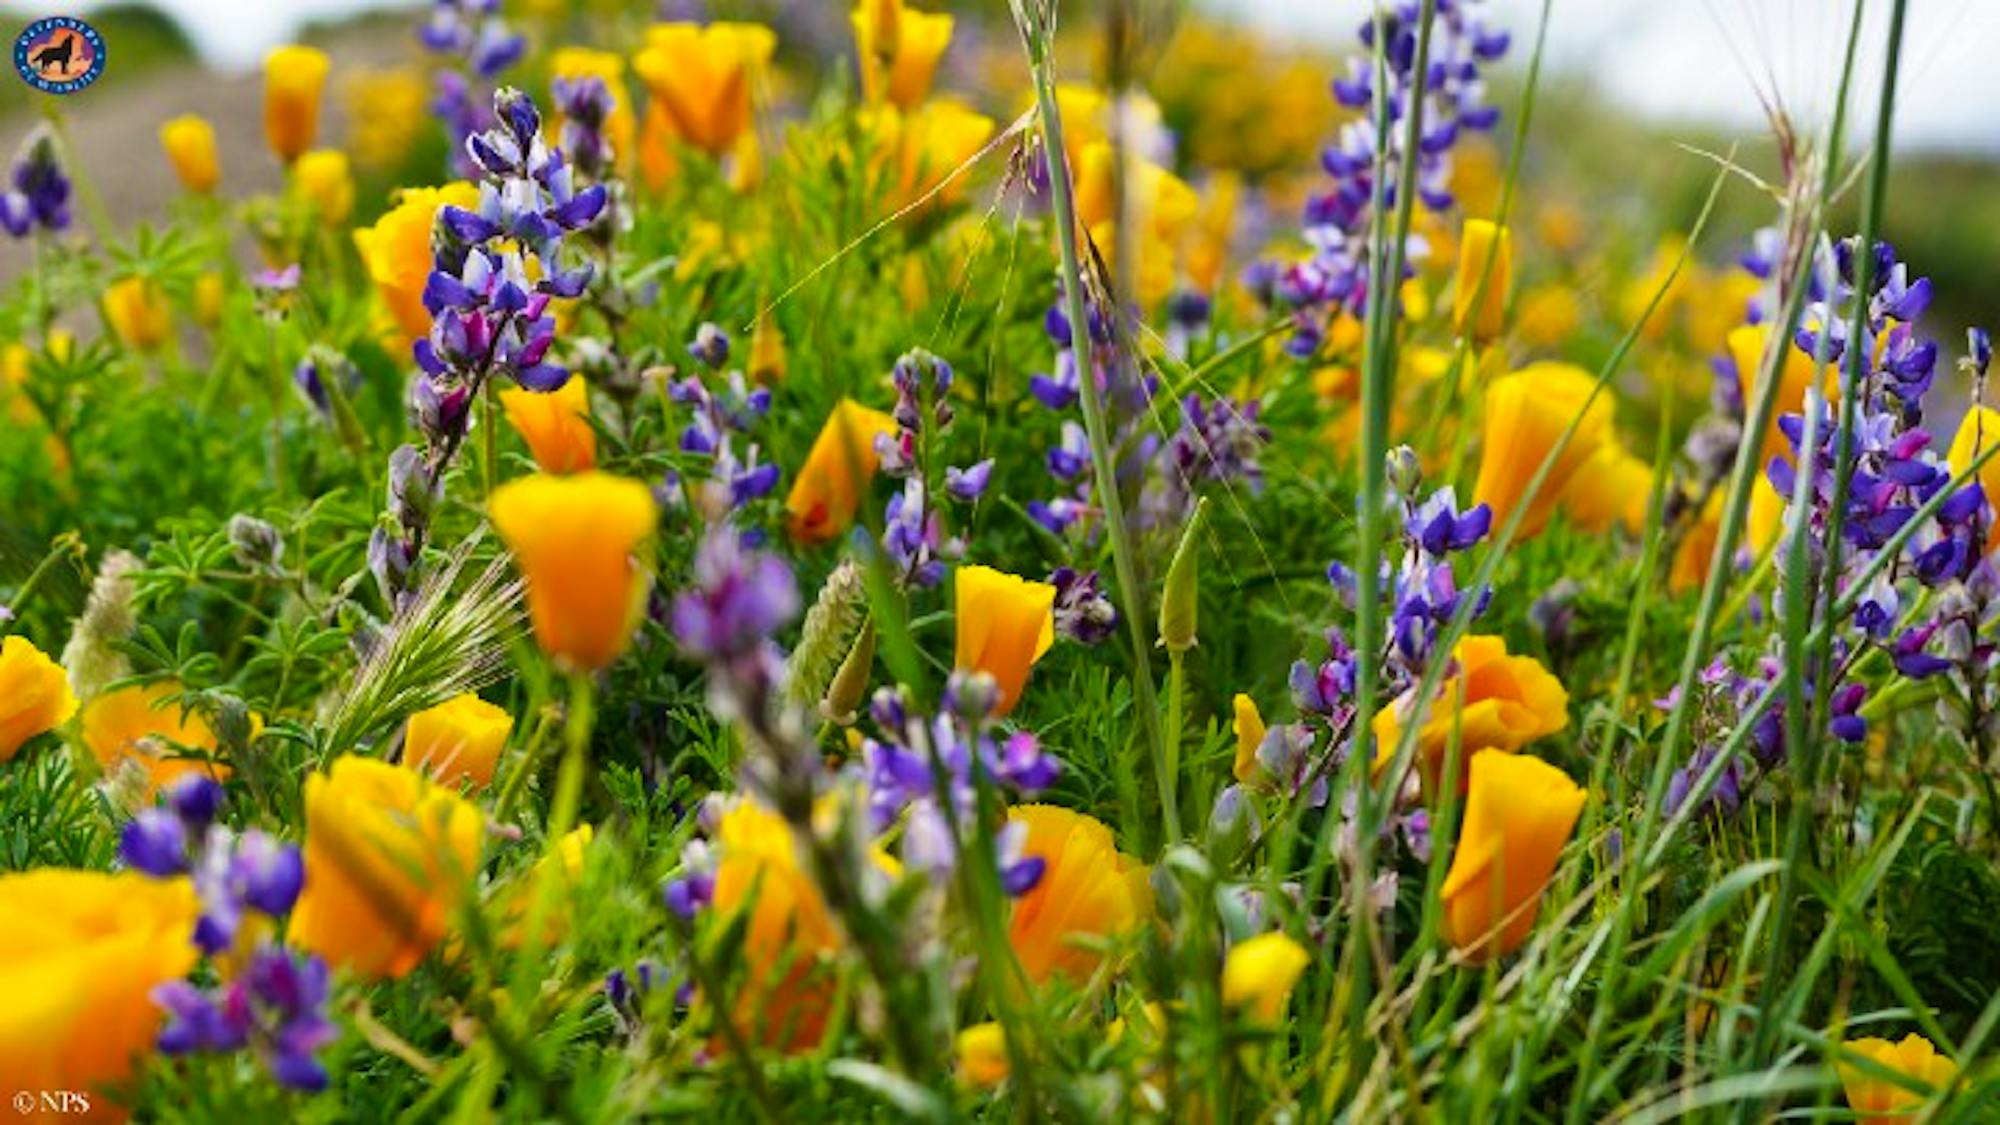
{"x": 1177, "y": 604}
{"x": 850, "y": 685}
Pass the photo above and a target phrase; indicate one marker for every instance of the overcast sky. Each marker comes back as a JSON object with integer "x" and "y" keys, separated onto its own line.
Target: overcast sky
{"x": 1671, "y": 58}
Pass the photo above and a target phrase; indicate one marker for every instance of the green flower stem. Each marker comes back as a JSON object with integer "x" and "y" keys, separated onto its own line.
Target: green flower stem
{"x": 68, "y": 544}
{"x": 1103, "y": 467}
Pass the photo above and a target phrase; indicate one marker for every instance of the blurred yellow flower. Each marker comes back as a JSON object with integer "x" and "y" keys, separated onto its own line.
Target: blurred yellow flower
{"x": 1879, "y": 1101}
{"x": 1162, "y": 208}
{"x": 138, "y": 314}
{"x": 575, "y": 539}
{"x": 1248, "y": 727}
{"x": 1978, "y": 432}
{"x": 397, "y": 251}
{"x": 1005, "y": 624}
{"x": 1214, "y": 224}
{"x": 1746, "y": 351}
{"x": 918, "y": 151}
{"x": 899, "y": 48}
{"x": 322, "y": 179}
{"x": 827, "y": 490}
{"x": 1508, "y": 702}
{"x": 80, "y": 956}
{"x": 767, "y": 351}
{"x": 788, "y": 938}
{"x": 657, "y": 138}
{"x": 210, "y": 291}
{"x": 1485, "y": 270}
{"x": 1613, "y": 487}
{"x": 1526, "y": 412}
{"x": 294, "y": 77}
{"x": 982, "y": 1055}
{"x": 621, "y": 126}
{"x": 1259, "y": 974}
{"x": 1088, "y": 890}
{"x": 386, "y": 109}
{"x": 458, "y": 740}
{"x": 1717, "y": 305}
{"x": 1659, "y": 277}
{"x": 388, "y": 858}
{"x": 190, "y": 144}
{"x": 701, "y": 76}
{"x": 137, "y": 725}
{"x": 35, "y": 696}
{"x": 1547, "y": 315}
{"x": 1517, "y": 818}
{"x": 564, "y": 868}
{"x": 555, "y": 424}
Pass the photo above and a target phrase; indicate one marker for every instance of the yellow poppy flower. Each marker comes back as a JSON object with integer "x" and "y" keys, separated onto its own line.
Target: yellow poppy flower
{"x": 1485, "y": 270}
{"x": 388, "y": 858}
{"x": 1259, "y": 974}
{"x": 1746, "y": 350}
{"x": 899, "y": 48}
{"x": 397, "y": 251}
{"x": 1163, "y": 209}
{"x": 34, "y": 695}
{"x": 574, "y": 539}
{"x": 458, "y": 740}
{"x": 917, "y": 151}
{"x": 294, "y": 77}
{"x": 555, "y": 424}
{"x": 190, "y": 144}
{"x": 1088, "y": 890}
{"x": 982, "y": 1055}
{"x": 1548, "y": 315}
{"x": 138, "y": 314}
{"x": 80, "y": 956}
{"x": 564, "y": 867}
{"x": 1509, "y": 701}
{"x": 1878, "y": 1101}
{"x": 1978, "y": 432}
{"x": 1248, "y": 726}
{"x": 210, "y": 290}
{"x": 135, "y": 724}
{"x": 789, "y": 937}
{"x": 386, "y": 109}
{"x": 321, "y": 177}
{"x": 701, "y": 77}
{"x": 1005, "y": 624}
{"x": 1526, "y": 412}
{"x": 1613, "y": 487}
{"x": 1517, "y": 818}
{"x": 827, "y": 491}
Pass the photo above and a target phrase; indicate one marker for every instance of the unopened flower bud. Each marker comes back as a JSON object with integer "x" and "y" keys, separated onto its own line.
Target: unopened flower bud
{"x": 710, "y": 345}
{"x": 1232, "y": 824}
{"x": 257, "y": 545}
{"x": 1178, "y": 604}
{"x": 850, "y": 684}
{"x": 410, "y": 493}
{"x": 1406, "y": 473}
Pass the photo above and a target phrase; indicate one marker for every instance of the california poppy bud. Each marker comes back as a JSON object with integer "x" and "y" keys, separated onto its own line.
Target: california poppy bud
{"x": 1485, "y": 269}
{"x": 190, "y": 144}
{"x": 1179, "y": 603}
{"x": 294, "y": 77}
{"x": 1259, "y": 973}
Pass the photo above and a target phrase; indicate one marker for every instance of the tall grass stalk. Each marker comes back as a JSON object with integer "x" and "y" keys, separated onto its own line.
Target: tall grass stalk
{"x": 1037, "y": 38}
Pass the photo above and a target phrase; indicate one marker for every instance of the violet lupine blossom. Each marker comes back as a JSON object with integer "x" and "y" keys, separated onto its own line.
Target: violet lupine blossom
{"x": 489, "y": 318}
{"x": 1338, "y": 220}
{"x": 1423, "y": 594}
{"x": 913, "y": 756}
{"x": 37, "y": 192}
{"x": 233, "y": 874}
{"x": 913, "y": 535}
{"x": 479, "y": 44}
{"x": 275, "y": 1006}
{"x": 740, "y": 598}
{"x": 1082, "y": 612}
{"x": 1218, "y": 443}
{"x": 717, "y": 420}
{"x": 585, "y": 104}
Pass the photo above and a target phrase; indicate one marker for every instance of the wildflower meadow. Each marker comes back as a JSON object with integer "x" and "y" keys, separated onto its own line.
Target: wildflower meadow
{"x": 1035, "y": 561}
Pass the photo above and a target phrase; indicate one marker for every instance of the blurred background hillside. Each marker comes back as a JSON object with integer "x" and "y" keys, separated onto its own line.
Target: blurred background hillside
{"x": 1635, "y": 98}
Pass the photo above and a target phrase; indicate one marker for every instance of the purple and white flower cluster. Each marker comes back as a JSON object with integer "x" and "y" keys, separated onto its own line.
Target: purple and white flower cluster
{"x": 274, "y": 1000}
{"x": 917, "y": 763}
{"x": 1337, "y": 220}
{"x": 913, "y": 534}
{"x": 37, "y": 192}
{"x": 476, "y": 40}
{"x": 716, "y": 420}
